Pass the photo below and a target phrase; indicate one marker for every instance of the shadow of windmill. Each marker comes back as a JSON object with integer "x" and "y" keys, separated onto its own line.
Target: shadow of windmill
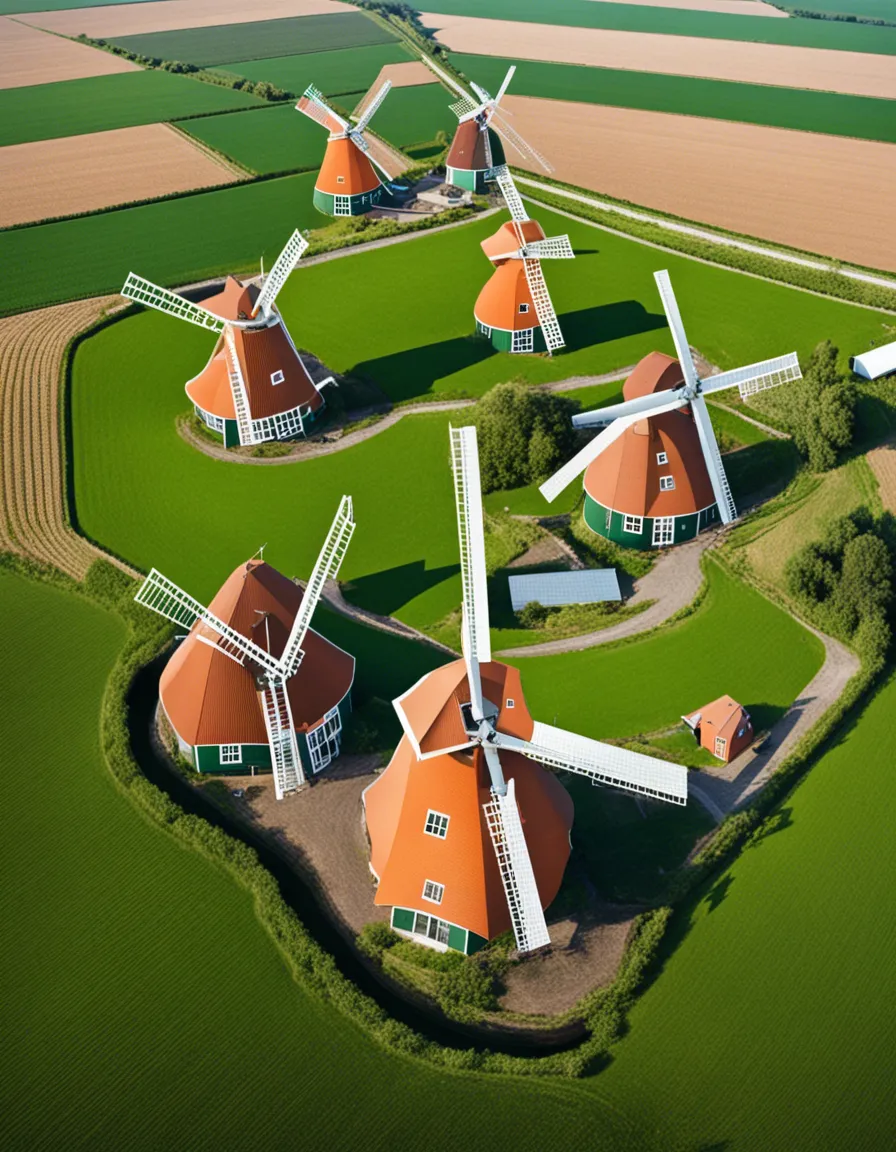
{"x": 604, "y": 322}
{"x": 415, "y": 371}
{"x": 386, "y": 591}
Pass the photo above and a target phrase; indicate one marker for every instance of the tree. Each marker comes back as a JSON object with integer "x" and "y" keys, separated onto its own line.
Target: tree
{"x": 819, "y": 409}
{"x": 523, "y": 435}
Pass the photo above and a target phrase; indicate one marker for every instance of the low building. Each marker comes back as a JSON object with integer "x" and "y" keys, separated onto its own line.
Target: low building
{"x": 875, "y": 363}
{"x": 554, "y": 589}
{"x": 723, "y": 728}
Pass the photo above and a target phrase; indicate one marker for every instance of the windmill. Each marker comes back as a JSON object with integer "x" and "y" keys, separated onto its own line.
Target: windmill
{"x": 478, "y": 145}
{"x": 514, "y": 308}
{"x": 467, "y": 775}
{"x": 253, "y": 684}
{"x": 347, "y": 184}
{"x": 255, "y": 386}
{"x": 654, "y": 474}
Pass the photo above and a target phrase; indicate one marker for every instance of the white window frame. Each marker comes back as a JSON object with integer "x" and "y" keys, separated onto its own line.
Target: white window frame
{"x": 342, "y": 205}
{"x": 436, "y": 824}
{"x": 662, "y": 458}
{"x": 230, "y": 754}
{"x": 325, "y": 741}
{"x": 277, "y": 377}
{"x": 667, "y": 483}
{"x": 511, "y": 703}
{"x": 340, "y": 179}
{"x": 663, "y": 531}
{"x": 436, "y": 891}
{"x": 216, "y": 423}
{"x": 523, "y": 340}
{"x": 633, "y": 524}
{"x": 720, "y": 740}
{"x": 430, "y": 927}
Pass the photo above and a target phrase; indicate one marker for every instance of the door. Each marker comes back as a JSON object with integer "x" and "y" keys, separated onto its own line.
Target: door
{"x": 663, "y": 530}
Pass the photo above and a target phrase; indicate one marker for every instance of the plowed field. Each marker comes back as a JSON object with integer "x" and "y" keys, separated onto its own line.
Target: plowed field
{"x": 860, "y": 73}
{"x": 101, "y": 169}
{"x": 825, "y": 194}
{"x": 28, "y": 56}
{"x": 165, "y": 15}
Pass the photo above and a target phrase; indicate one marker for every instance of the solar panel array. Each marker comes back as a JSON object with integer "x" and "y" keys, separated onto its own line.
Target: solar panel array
{"x": 552, "y": 589}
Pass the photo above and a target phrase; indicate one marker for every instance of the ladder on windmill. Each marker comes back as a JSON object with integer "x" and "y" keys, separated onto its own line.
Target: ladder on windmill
{"x": 722, "y": 477}
{"x": 459, "y": 460}
{"x": 506, "y": 831}
{"x": 240, "y": 398}
{"x": 544, "y": 309}
{"x": 287, "y": 766}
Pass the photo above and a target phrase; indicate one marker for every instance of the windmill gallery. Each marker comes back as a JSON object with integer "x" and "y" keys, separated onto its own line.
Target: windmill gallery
{"x": 469, "y": 825}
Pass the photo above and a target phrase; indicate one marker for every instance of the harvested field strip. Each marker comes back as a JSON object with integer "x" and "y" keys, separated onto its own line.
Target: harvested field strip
{"x": 295, "y": 35}
{"x": 32, "y": 514}
{"x": 28, "y": 56}
{"x": 882, "y": 461}
{"x": 735, "y": 176}
{"x": 227, "y": 230}
{"x": 352, "y": 70}
{"x": 136, "y": 18}
{"x": 88, "y": 173}
{"x": 791, "y": 67}
{"x": 98, "y": 104}
{"x": 584, "y": 14}
{"x": 830, "y": 113}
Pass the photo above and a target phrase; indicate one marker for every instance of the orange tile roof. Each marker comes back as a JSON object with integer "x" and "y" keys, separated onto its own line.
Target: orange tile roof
{"x": 468, "y": 151}
{"x": 343, "y": 159}
{"x": 235, "y": 301}
{"x": 498, "y": 304}
{"x": 626, "y": 475}
{"x": 210, "y": 699}
{"x": 507, "y": 239}
{"x": 404, "y": 856}
{"x": 727, "y": 719}
{"x": 211, "y": 388}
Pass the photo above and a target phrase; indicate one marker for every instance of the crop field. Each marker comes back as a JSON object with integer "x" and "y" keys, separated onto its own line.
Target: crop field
{"x": 204, "y": 236}
{"x": 101, "y": 103}
{"x": 277, "y": 139}
{"x": 580, "y": 14}
{"x": 866, "y": 9}
{"x": 218, "y": 45}
{"x": 414, "y": 115}
{"x": 28, "y": 56}
{"x": 333, "y": 72}
{"x": 131, "y": 19}
{"x": 831, "y": 113}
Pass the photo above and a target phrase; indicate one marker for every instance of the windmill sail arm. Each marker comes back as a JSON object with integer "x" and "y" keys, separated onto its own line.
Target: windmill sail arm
{"x": 551, "y": 248}
{"x": 373, "y": 106}
{"x": 713, "y": 460}
{"x": 277, "y": 277}
{"x": 603, "y": 763}
{"x": 465, "y": 108}
{"x": 517, "y": 875}
{"x": 481, "y": 93}
{"x": 673, "y": 317}
{"x": 755, "y": 377}
{"x": 523, "y": 147}
{"x": 505, "y": 84}
{"x": 164, "y": 597}
{"x": 650, "y": 405}
{"x": 544, "y": 306}
{"x": 512, "y": 198}
{"x": 326, "y": 568}
{"x": 563, "y": 477}
{"x": 152, "y": 296}
{"x": 313, "y": 105}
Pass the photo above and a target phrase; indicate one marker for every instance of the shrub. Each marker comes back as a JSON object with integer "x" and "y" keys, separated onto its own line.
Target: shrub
{"x": 524, "y": 435}
{"x": 376, "y": 938}
{"x": 468, "y": 989}
{"x": 533, "y": 615}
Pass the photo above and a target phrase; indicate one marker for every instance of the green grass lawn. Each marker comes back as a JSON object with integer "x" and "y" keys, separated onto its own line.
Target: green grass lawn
{"x": 278, "y": 139}
{"x": 678, "y": 22}
{"x": 829, "y": 112}
{"x": 172, "y": 242}
{"x": 100, "y": 103}
{"x": 333, "y": 72}
{"x": 222, "y": 43}
{"x": 648, "y": 684}
{"x": 414, "y": 115}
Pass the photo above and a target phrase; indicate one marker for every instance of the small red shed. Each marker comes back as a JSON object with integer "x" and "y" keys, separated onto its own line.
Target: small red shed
{"x": 723, "y": 728}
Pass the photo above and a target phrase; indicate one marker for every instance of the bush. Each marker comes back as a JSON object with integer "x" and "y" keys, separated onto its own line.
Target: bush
{"x": 524, "y": 435}
{"x": 533, "y": 615}
{"x": 468, "y": 989}
{"x": 376, "y": 938}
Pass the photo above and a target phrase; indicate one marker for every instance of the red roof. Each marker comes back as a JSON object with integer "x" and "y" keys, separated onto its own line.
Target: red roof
{"x": 723, "y": 719}
{"x": 346, "y": 171}
{"x": 468, "y": 150}
{"x": 502, "y": 297}
{"x": 210, "y": 699}
{"x": 626, "y": 475}
{"x": 507, "y": 239}
{"x": 235, "y": 301}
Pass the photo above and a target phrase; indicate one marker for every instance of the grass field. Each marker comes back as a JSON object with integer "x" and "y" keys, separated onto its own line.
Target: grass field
{"x": 678, "y": 22}
{"x": 100, "y": 103}
{"x": 333, "y": 72}
{"x": 222, "y": 43}
{"x": 204, "y": 235}
{"x": 827, "y": 112}
{"x": 277, "y": 140}
{"x": 866, "y": 9}
{"x": 414, "y": 115}
{"x": 628, "y": 690}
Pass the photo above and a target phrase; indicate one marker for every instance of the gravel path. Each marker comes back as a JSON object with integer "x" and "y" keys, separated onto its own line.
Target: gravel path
{"x": 767, "y": 428}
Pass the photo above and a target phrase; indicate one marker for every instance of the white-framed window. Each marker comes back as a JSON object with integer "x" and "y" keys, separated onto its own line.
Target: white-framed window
{"x": 231, "y": 754}
{"x": 277, "y": 377}
{"x": 721, "y": 745}
{"x": 667, "y": 483}
{"x": 633, "y": 524}
{"x": 662, "y": 458}
{"x": 340, "y": 179}
{"x": 325, "y": 740}
{"x": 342, "y": 205}
{"x": 436, "y": 824}
{"x": 216, "y": 423}
{"x": 523, "y": 341}
{"x": 431, "y": 927}
{"x": 664, "y": 530}
{"x": 510, "y": 702}
{"x": 524, "y": 308}
{"x": 433, "y": 892}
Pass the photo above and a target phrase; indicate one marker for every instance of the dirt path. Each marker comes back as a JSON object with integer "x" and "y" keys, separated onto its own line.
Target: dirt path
{"x": 33, "y": 519}
{"x": 729, "y": 786}
{"x": 672, "y": 583}
{"x": 767, "y": 428}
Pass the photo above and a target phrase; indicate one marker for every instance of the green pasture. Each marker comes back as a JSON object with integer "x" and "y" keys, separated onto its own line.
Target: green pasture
{"x": 100, "y": 103}
{"x": 863, "y": 9}
{"x": 222, "y": 43}
{"x": 16, "y": 6}
{"x": 827, "y": 112}
{"x": 678, "y": 22}
{"x": 278, "y": 139}
{"x": 171, "y": 242}
{"x": 414, "y": 115}
{"x": 648, "y": 684}
{"x": 333, "y": 72}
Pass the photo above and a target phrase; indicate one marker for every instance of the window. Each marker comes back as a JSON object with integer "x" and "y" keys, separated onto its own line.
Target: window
{"x": 231, "y": 754}
{"x": 667, "y": 483}
{"x": 664, "y": 530}
{"x": 325, "y": 740}
{"x": 342, "y": 206}
{"x": 433, "y": 892}
{"x": 523, "y": 341}
{"x": 340, "y": 179}
{"x": 721, "y": 745}
{"x": 277, "y": 377}
{"x": 633, "y": 524}
{"x": 436, "y": 824}
{"x": 431, "y": 927}
{"x": 524, "y": 308}
{"x": 662, "y": 458}
{"x": 510, "y": 703}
